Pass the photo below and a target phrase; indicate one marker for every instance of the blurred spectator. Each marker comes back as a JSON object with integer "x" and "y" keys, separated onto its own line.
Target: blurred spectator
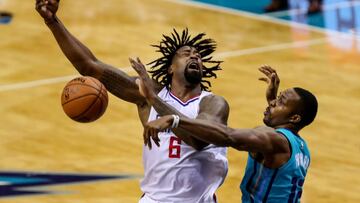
{"x": 277, "y": 5}
{"x": 5, "y": 17}
{"x": 315, "y": 6}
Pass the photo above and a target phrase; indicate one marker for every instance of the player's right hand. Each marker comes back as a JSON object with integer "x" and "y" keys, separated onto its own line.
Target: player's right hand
{"x": 273, "y": 81}
{"x": 146, "y": 87}
{"x": 47, "y": 9}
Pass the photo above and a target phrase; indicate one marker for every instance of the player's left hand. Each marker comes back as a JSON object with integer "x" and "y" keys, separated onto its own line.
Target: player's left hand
{"x": 144, "y": 82}
{"x": 47, "y": 9}
{"x": 152, "y": 129}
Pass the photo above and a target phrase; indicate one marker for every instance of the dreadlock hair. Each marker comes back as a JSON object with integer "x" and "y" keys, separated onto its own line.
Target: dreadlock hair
{"x": 168, "y": 47}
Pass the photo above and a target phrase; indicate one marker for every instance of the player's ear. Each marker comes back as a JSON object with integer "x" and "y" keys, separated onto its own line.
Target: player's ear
{"x": 295, "y": 119}
{"x": 170, "y": 70}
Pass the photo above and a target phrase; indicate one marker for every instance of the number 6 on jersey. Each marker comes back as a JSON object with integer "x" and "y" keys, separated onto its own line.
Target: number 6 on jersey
{"x": 174, "y": 147}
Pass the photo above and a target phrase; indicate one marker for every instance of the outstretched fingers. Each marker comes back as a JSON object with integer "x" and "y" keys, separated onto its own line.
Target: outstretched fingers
{"x": 155, "y": 136}
{"x": 265, "y": 70}
{"x": 138, "y": 66}
{"x": 270, "y": 73}
{"x": 144, "y": 137}
{"x": 145, "y": 83}
{"x": 147, "y": 137}
{"x": 264, "y": 79}
{"x": 151, "y": 133}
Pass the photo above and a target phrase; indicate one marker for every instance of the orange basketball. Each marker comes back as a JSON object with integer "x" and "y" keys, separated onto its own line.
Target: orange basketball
{"x": 84, "y": 99}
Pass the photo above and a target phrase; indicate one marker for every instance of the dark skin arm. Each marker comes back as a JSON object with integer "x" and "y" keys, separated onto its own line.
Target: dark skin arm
{"x": 212, "y": 108}
{"x": 261, "y": 139}
{"x": 115, "y": 80}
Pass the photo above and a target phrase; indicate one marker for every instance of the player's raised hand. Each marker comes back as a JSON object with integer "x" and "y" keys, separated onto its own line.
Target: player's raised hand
{"x": 47, "y": 9}
{"x": 273, "y": 81}
{"x": 144, "y": 82}
{"x": 152, "y": 129}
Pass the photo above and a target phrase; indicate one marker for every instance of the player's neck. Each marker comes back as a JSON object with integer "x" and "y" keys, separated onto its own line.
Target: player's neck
{"x": 183, "y": 92}
{"x": 288, "y": 126}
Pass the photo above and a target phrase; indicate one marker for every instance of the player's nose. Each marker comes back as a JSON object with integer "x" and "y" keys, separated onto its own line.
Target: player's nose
{"x": 272, "y": 103}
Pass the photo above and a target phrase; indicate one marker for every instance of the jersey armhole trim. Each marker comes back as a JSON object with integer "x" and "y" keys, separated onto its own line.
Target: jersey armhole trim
{"x": 291, "y": 150}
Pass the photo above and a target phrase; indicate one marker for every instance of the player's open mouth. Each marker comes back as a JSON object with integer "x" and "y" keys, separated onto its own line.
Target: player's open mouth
{"x": 193, "y": 66}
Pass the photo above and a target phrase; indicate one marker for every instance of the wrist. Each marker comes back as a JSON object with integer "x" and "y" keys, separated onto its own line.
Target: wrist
{"x": 175, "y": 121}
{"x": 51, "y": 21}
{"x": 152, "y": 98}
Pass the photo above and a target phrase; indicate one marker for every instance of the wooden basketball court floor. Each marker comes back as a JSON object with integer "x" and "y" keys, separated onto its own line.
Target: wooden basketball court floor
{"x": 36, "y": 136}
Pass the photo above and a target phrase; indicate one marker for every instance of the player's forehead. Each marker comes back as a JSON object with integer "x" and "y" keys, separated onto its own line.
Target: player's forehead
{"x": 187, "y": 48}
{"x": 290, "y": 94}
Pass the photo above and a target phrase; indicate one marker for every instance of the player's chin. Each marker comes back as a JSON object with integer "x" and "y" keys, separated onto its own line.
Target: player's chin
{"x": 266, "y": 121}
{"x": 193, "y": 76}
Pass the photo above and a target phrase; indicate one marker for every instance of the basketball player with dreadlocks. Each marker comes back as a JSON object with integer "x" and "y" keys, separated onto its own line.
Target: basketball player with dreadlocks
{"x": 184, "y": 168}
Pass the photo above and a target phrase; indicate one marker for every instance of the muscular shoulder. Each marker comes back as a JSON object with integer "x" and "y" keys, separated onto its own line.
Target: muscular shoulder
{"x": 215, "y": 108}
{"x": 213, "y": 100}
{"x": 277, "y": 141}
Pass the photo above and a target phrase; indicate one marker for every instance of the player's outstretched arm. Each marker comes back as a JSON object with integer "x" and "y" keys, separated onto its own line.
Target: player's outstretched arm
{"x": 115, "y": 80}
{"x": 260, "y": 139}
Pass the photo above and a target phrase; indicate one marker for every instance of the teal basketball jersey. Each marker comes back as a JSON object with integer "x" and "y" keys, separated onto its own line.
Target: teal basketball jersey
{"x": 282, "y": 185}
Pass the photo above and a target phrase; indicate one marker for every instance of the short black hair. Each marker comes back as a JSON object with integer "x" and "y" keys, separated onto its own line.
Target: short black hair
{"x": 309, "y": 106}
{"x": 168, "y": 47}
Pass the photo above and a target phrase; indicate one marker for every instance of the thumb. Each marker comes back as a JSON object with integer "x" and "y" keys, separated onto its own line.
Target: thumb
{"x": 273, "y": 78}
{"x": 140, "y": 86}
{"x": 264, "y": 79}
{"x": 137, "y": 81}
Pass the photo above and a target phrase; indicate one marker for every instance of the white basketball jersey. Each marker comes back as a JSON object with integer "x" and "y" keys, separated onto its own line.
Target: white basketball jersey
{"x": 175, "y": 172}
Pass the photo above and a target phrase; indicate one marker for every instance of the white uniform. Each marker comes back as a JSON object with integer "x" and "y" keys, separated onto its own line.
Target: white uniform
{"x": 175, "y": 172}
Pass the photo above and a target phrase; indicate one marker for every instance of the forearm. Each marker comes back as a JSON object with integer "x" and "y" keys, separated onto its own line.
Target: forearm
{"x": 77, "y": 53}
{"x": 121, "y": 85}
{"x": 162, "y": 108}
{"x": 115, "y": 80}
{"x": 252, "y": 140}
{"x": 210, "y": 132}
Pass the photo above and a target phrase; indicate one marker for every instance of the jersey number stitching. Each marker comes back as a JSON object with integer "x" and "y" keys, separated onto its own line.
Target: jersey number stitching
{"x": 174, "y": 147}
{"x": 297, "y": 183}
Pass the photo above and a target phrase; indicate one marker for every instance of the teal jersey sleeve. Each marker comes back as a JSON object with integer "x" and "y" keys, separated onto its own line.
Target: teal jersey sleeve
{"x": 284, "y": 184}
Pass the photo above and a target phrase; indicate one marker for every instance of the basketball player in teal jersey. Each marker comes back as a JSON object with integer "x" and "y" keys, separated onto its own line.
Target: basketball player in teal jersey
{"x": 278, "y": 157}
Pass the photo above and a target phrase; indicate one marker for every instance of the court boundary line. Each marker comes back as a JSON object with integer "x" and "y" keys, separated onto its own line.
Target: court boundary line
{"x": 265, "y": 18}
{"x": 274, "y": 47}
{"x": 222, "y": 55}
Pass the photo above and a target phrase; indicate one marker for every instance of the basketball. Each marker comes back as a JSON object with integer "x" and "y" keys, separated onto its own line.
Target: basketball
{"x": 84, "y": 99}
